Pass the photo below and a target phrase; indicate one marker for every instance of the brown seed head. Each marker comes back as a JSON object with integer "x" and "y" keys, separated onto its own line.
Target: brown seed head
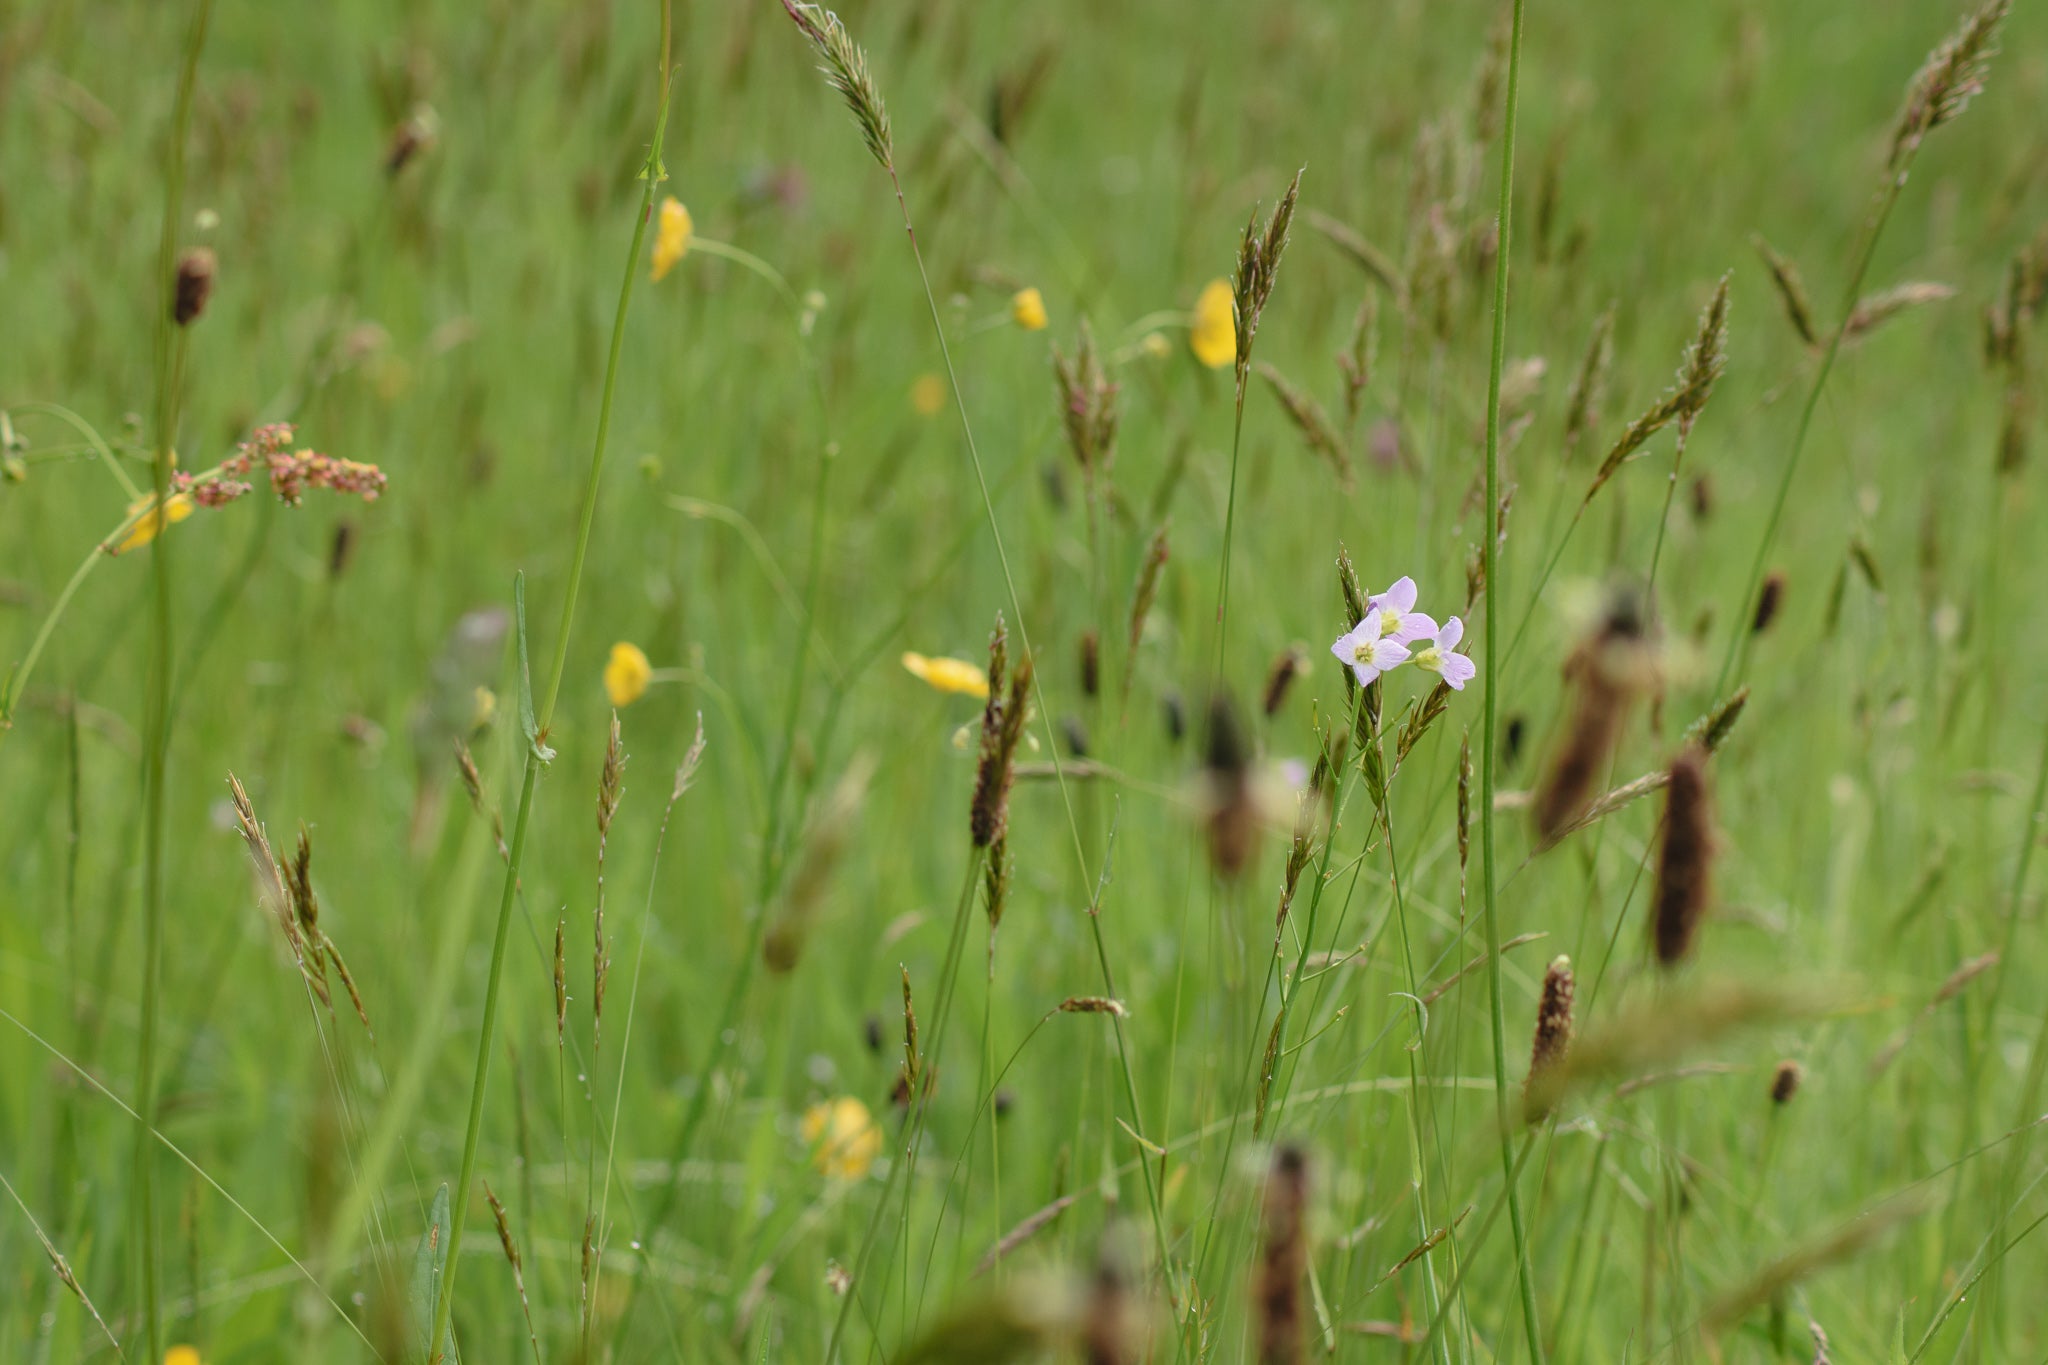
{"x": 1286, "y": 668}
{"x": 1944, "y": 85}
{"x": 1785, "y": 1081}
{"x": 1283, "y": 1260}
{"x": 1685, "y": 861}
{"x": 194, "y": 285}
{"x": 1770, "y": 597}
{"x": 1553, "y": 1039}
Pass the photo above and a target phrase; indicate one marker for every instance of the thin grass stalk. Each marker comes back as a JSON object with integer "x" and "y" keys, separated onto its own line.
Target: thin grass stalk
{"x": 652, "y": 176}
{"x": 1491, "y": 669}
{"x": 1739, "y": 634}
{"x": 769, "y": 870}
{"x": 2037, "y": 1066}
{"x": 170, "y": 356}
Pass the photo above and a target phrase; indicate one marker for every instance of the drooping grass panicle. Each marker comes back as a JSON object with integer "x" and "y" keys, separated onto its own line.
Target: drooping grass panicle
{"x": 1143, "y": 594}
{"x": 1874, "y": 310}
{"x": 846, "y": 70}
{"x": 1356, "y": 360}
{"x": 1684, "y": 860}
{"x": 1380, "y": 266}
{"x": 1943, "y": 87}
{"x": 1589, "y": 386}
{"x": 1279, "y": 1317}
{"x": 1791, "y": 287}
{"x": 1088, "y": 406}
{"x": 515, "y": 1261}
{"x": 1313, "y": 423}
{"x": 1706, "y": 357}
{"x": 824, "y": 843}
{"x": 1553, "y": 1039}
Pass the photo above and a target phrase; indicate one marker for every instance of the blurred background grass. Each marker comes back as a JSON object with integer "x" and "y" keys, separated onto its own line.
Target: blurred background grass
{"x": 448, "y": 322}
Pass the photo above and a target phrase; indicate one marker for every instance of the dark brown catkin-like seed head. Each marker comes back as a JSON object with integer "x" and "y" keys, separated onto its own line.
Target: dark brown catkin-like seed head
{"x": 1685, "y": 860}
{"x": 1283, "y": 1259}
{"x": 194, "y": 285}
{"x": 1785, "y": 1081}
{"x": 1769, "y": 599}
{"x": 1281, "y": 677}
{"x": 1553, "y": 1039}
{"x": 1091, "y": 664}
{"x": 1232, "y": 810}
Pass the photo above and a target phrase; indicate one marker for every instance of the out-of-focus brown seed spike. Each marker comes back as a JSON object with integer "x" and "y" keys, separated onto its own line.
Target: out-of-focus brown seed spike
{"x": 1770, "y": 599}
{"x": 1785, "y": 1081}
{"x": 1553, "y": 1039}
{"x": 1279, "y": 1319}
{"x": 193, "y": 285}
{"x": 1685, "y": 859}
{"x": 1091, "y": 663}
{"x": 1286, "y": 667}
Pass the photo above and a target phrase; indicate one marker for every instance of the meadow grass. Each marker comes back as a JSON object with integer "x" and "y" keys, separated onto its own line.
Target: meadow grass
{"x": 1210, "y": 1035}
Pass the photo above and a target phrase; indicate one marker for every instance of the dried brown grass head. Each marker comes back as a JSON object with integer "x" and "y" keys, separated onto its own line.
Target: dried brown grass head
{"x": 1685, "y": 859}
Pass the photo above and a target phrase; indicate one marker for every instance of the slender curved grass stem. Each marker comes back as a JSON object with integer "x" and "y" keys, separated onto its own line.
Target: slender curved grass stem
{"x": 170, "y": 357}
{"x": 1491, "y": 669}
{"x": 651, "y": 178}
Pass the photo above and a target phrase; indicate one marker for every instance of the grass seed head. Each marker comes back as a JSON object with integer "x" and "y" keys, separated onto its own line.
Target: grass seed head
{"x": 1685, "y": 859}
{"x": 846, "y": 70}
{"x": 1552, "y": 1040}
{"x": 193, "y": 286}
{"x": 1283, "y": 1260}
{"x": 1791, "y": 289}
{"x": 1785, "y": 1080}
{"x": 1943, "y": 87}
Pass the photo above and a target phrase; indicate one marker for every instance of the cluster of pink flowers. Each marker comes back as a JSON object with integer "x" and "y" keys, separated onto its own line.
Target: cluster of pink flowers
{"x": 291, "y": 472}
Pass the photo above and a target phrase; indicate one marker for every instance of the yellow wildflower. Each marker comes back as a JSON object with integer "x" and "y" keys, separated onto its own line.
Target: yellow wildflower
{"x": 483, "y": 706}
{"x": 948, "y": 675}
{"x": 182, "y": 1355}
{"x": 844, "y": 1139}
{"x": 1213, "y": 338}
{"x": 154, "y": 520}
{"x": 626, "y": 674}
{"x": 672, "y": 236}
{"x": 927, "y": 395}
{"x": 1156, "y": 346}
{"x": 1027, "y": 309}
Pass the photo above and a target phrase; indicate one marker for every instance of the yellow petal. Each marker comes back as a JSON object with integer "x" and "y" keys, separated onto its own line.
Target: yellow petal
{"x": 1213, "y": 337}
{"x": 626, "y": 674}
{"x": 843, "y": 1137}
{"x": 948, "y": 675}
{"x": 182, "y": 1355}
{"x": 672, "y": 236}
{"x": 927, "y": 395}
{"x": 145, "y": 530}
{"x": 1027, "y": 308}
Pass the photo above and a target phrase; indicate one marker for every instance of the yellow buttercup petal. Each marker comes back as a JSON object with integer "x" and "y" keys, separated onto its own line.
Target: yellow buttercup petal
{"x": 175, "y": 510}
{"x": 182, "y": 1355}
{"x": 672, "y": 236}
{"x": 927, "y": 395}
{"x": 1027, "y": 309}
{"x": 1213, "y": 336}
{"x": 948, "y": 675}
{"x": 626, "y": 674}
{"x": 843, "y": 1137}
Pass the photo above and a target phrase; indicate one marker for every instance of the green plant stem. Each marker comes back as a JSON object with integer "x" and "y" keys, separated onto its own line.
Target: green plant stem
{"x": 170, "y": 356}
{"x": 652, "y": 176}
{"x": 1491, "y": 668}
{"x": 1739, "y": 634}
